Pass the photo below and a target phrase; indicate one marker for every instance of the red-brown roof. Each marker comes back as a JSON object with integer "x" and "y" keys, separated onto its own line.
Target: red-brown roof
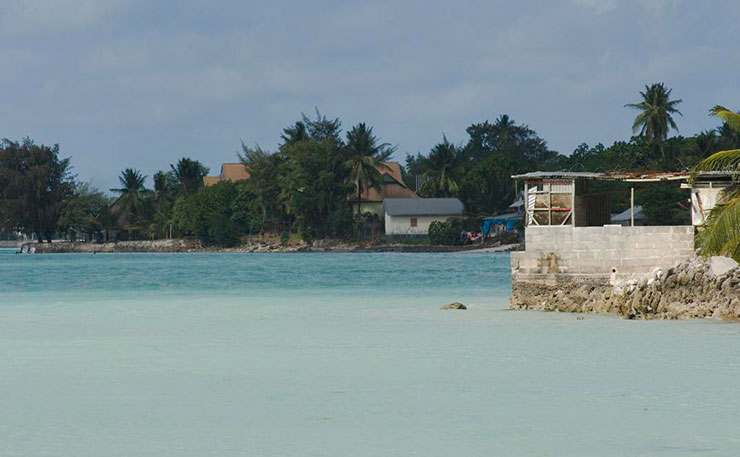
{"x": 234, "y": 171}
{"x": 392, "y": 185}
{"x": 211, "y": 180}
{"x": 229, "y": 172}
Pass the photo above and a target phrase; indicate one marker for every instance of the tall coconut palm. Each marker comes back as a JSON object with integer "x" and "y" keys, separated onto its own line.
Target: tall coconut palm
{"x": 164, "y": 187}
{"x": 721, "y": 234}
{"x": 442, "y": 169}
{"x": 131, "y": 194}
{"x": 656, "y": 110}
{"x": 366, "y": 159}
{"x": 188, "y": 175}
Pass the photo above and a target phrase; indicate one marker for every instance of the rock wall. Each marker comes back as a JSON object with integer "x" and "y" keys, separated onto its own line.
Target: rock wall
{"x": 177, "y": 245}
{"x": 690, "y": 289}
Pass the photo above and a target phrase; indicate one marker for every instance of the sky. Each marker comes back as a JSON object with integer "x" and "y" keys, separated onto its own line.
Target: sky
{"x": 133, "y": 83}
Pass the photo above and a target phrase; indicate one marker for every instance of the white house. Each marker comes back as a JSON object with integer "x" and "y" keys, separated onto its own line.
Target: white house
{"x": 412, "y": 216}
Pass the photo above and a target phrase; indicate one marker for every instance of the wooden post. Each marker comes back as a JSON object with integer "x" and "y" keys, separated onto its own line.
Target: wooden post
{"x": 632, "y": 206}
{"x": 526, "y": 203}
{"x": 573, "y": 204}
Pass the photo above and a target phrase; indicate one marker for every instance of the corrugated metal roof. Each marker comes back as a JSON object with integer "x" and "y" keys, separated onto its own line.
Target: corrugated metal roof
{"x": 422, "y": 206}
{"x": 608, "y": 176}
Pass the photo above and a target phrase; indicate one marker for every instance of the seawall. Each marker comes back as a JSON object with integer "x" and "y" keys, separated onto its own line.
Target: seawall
{"x": 635, "y": 272}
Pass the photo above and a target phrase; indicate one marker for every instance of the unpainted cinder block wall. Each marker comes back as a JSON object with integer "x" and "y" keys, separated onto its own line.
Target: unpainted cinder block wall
{"x": 602, "y": 250}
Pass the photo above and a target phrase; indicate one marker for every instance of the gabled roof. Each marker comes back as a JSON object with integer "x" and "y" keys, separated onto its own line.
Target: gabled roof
{"x": 234, "y": 171}
{"x": 229, "y": 172}
{"x": 422, "y": 206}
{"x": 392, "y": 185}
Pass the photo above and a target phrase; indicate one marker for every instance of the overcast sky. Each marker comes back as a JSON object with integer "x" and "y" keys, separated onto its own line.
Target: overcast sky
{"x": 129, "y": 83}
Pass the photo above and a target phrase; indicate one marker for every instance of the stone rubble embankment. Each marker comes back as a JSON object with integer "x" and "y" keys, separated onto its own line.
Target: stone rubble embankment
{"x": 694, "y": 288}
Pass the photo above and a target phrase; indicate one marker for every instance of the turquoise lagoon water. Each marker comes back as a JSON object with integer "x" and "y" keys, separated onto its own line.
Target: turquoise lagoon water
{"x": 341, "y": 355}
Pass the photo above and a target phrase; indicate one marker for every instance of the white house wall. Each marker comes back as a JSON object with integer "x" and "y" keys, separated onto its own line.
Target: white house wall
{"x": 702, "y": 202}
{"x": 401, "y": 225}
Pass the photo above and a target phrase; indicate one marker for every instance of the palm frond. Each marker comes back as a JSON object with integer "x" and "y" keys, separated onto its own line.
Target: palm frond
{"x": 731, "y": 118}
{"x": 720, "y": 161}
{"x": 721, "y": 235}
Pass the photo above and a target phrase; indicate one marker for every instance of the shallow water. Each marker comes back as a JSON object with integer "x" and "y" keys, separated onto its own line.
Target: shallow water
{"x": 341, "y": 355}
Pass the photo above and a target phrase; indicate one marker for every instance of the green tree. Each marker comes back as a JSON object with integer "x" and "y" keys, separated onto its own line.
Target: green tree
{"x": 313, "y": 189}
{"x": 494, "y": 152}
{"x": 133, "y": 198}
{"x": 81, "y": 214}
{"x": 188, "y": 175}
{"x": 366, "y": 157}
{"x": 656, "y": 113}
{"x": 264, "y": 182}
{"x": 34, "y": 183}
{"x": 214, "y": 214}
{"x": 443, "y": 168}
{"x": 721, "y": 234}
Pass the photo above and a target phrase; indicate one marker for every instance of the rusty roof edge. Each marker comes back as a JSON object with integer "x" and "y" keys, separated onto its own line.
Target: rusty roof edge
{"x": 608, "y": 176}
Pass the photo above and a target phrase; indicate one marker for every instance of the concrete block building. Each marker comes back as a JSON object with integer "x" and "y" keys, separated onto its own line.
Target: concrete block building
{"x": 413, "y": 216}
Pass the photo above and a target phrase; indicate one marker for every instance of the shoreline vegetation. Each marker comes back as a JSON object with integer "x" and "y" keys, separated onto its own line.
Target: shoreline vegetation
{"x": 313, "y": 185}
{"x": 254, "y": 246}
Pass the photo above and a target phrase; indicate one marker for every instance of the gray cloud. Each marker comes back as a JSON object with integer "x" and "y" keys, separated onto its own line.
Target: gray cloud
{"x": 136, "y": 83}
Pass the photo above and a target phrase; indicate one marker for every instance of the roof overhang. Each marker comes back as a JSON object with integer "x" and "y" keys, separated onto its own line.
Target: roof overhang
{"x": 608, "y": 176}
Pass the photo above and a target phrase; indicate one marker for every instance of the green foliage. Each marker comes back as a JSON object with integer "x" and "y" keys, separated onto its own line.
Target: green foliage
{"x": 446, "y": 233}
{"x": 721, "y": 233}
{"x": 265, "y": 172}
{"x": 215, "y": 214}
{"x": 443, "y": 169}
{"x": 665, "y": 204}
{"x": 188, "y": 175}
{"x": 656, "y": 109}
{"x": 284, "y": 238}
{"x": 494, "y": 152}
{"x": 84, "y": 213}
{"x": 313, "y": 182}
{"x": 34, "y": 183}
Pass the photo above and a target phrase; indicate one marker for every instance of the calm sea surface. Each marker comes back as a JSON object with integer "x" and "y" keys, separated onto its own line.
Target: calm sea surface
{"x": 341, "y": 355}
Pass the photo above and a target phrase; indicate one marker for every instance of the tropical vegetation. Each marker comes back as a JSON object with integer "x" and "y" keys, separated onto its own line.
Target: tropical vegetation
{"x": 310, "y": 184}
{"x": 721, "y": 235}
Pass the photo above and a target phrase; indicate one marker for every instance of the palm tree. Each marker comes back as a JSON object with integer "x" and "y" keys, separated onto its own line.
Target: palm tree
{"x": 366, "y": 160}
{"x": 163, "y": 190}
{"x": 131, "y": 194}
{"x": 656, "y": 109}
{"x": 721, "y": 234}
{"x": 442, "y": 169}
{"x": 188, "y": 175}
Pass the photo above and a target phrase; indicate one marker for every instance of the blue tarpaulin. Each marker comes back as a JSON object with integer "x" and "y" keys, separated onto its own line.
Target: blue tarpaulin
{"x": 509, "y": 220}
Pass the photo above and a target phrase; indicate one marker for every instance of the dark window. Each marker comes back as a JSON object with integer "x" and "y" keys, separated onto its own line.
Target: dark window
{"x": 414, "y": 222}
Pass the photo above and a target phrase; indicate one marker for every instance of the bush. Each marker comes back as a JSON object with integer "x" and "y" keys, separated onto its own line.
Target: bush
{"x": 446, "y": 233}
{"x": 215, "y": 214}
{"x": 284, "y": 238}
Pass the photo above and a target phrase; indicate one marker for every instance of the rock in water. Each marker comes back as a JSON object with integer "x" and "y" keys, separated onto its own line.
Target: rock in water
{"x": 456, "y": 305}
{"x": 719, "y": 265}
